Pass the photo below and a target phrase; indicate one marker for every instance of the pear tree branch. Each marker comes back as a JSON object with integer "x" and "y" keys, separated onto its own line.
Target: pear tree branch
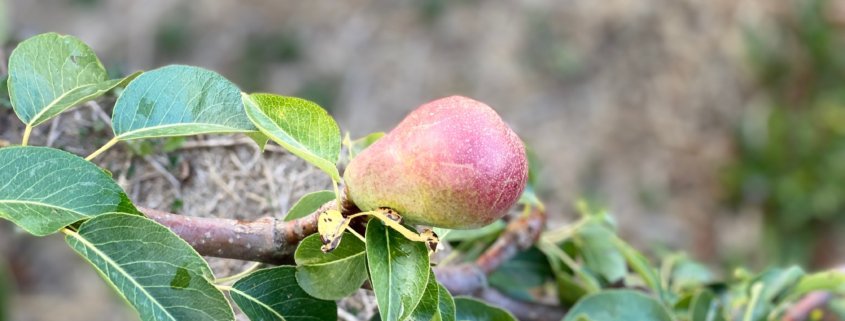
{"x": 272, "y": 240}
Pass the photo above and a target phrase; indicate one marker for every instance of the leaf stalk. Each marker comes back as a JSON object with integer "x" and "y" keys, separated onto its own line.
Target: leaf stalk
{"x": 102, "y": 149}
{"x": 26, "y": 133}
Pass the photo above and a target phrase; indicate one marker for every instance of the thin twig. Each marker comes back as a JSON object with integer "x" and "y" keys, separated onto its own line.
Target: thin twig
{"x": 345, "y": 315}
{"x": 174, "y": 183}
{"x": 227, "y": 142}
{"x": 525, "y": 311}
{"x": 802, "y": 309}
{"x": 98, "y": 110}
{"x": 54, "y": 133}
{"x": 271, "y": 240}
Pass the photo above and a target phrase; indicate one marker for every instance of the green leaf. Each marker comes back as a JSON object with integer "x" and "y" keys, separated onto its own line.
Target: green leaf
{"x": 429, "y": 305}
{"x": 640, "y": 264}
{"x": 399, "y": 270}
{"x": 777, "y": 281}
{"x": 273, "y": 294}
{"x": 568, "y": 290}
{"x": 469, "y": 309}
{"x": 595, "y": 242}
{"x": 821, "y": 281}
{"x": 756, "y": 309}
{"x": 705, "y": 307}
{"x": 558, "y": 257}
{"x": 446, "y": 305}
{"x": 179, "y": 100}
{"x": 308, "y": 204}
{"x": 463, "y": 235}
{"x": 359, "y": 145}
{"x": 153, "y": 269}
{"x": 259, "y": 139}
{"x": 43, "y": 189}
{"x": 333, "y": 275}
{"x": 688, "y": 274}
{"x": 615, "y": 305}
{"x": 50, "y": 73}
{"x": 300, "y": 126}
{"x": 528, "y": 269}
{"x": 529, "y": 197}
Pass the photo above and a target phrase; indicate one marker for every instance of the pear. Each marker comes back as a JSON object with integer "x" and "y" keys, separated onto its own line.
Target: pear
{"x": 451, "y": 163}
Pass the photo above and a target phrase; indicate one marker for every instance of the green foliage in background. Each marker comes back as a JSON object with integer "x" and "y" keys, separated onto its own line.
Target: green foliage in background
{"x": 791, "y": 142}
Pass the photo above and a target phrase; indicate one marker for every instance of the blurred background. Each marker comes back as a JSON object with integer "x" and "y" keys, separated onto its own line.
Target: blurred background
{"x": 713, "y": 127}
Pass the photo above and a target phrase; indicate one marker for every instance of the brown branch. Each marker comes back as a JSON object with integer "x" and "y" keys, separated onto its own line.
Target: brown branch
{"x": 519, "y": 235}
{"x": 464, "y": 279}
{"x": 803, "y": 308}
{"x": 471, "y": 278}
{"x": 524, "y": 311}
{"x": 268, "y": 239}
{"x": 263, "y": 240}
{"x": 272, "y": 240}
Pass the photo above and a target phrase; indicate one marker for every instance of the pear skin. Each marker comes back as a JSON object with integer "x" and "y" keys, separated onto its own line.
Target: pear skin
{"x": 451, "y": 163}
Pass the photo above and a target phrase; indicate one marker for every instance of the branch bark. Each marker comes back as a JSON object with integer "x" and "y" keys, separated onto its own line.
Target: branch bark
{"x": 471, "y": 278}
{"x": 802, "y": 309}
{"x": 271, "y": 240}
{"x": 267, "y": 240}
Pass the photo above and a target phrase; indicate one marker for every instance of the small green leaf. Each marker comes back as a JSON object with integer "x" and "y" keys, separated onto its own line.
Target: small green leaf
{"x": 615, "y": 305}
{"x": 308, "y": 204}
{"x": 705, "y": 307}
{"x": 153, "y": 269}
{"x": 528, "y": 269}
{"x": 273, "y": 294}
{"x": 688, "y": 274}
{"x": 568, "y": 290}
{"x": 642, "y": 266}
{"x": 259, "y": 139}
{"x": 469, "y": 309}
{"x": 50, "y": 73}
{"x": 464, "y": 235}
{"x": 777, "y": 281}
{"x": 595, "y": 242}
{"x": 529, "y": 197}
{"x": 360, "y": 144}
{"x": 43, "y": 189}
{"x": 399, "y": 270}
{"x": 821, "y": 281}
{"x": 429, "y": 305}
{"x": 179, "y": 100}
{"x": 333, "y": 275}
{"x": 446, "y": 305}
{"x": 300, "y": 126}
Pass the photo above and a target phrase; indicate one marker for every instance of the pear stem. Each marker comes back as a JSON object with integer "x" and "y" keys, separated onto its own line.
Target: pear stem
{"x": 354, "y": 232}
{"x": 380, "y": 214}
